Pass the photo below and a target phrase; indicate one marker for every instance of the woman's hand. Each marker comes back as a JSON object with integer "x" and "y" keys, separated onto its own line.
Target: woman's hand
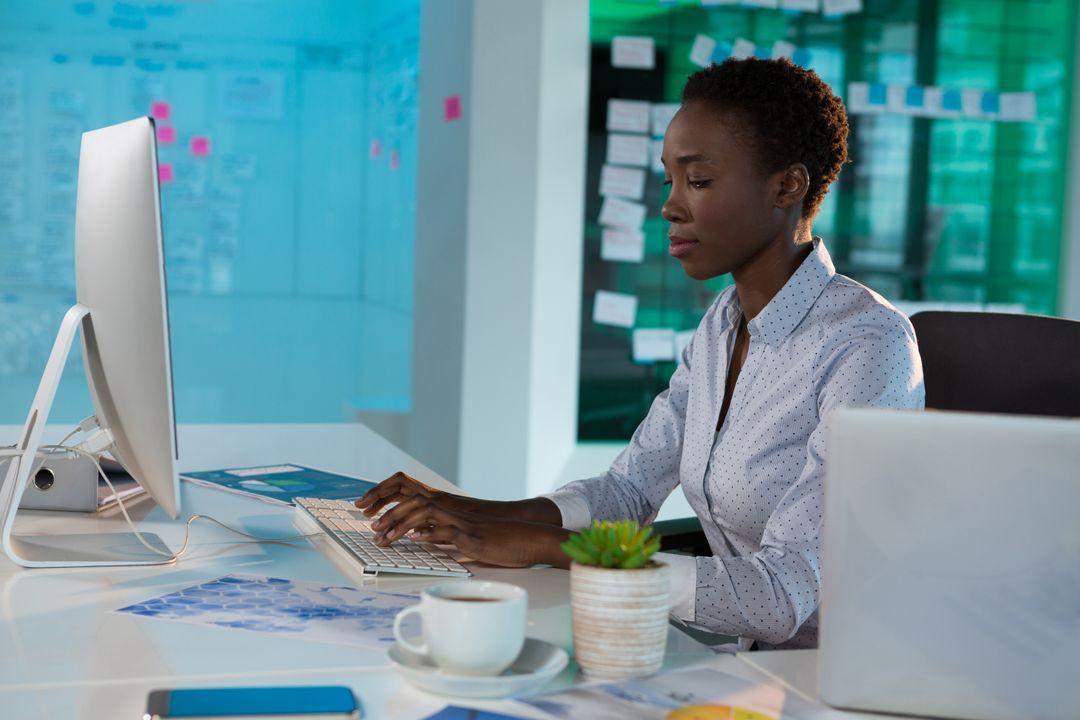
{"x": 400, "y": 487}
{"x": 491, "y": 539}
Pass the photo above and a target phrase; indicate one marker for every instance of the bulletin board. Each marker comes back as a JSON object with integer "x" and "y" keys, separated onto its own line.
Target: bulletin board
{"x": 287, "y": 155}
{"x": 959, "y": 114}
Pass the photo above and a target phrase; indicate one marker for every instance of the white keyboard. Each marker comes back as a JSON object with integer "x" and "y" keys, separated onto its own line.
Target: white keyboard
{"x": 349, "y": 532}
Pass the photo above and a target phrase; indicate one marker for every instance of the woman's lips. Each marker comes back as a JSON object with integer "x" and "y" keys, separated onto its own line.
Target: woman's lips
{"x": 681, "y": 246}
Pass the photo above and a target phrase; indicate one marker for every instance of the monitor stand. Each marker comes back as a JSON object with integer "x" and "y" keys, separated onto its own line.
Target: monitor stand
{"x": 52, "y": 550}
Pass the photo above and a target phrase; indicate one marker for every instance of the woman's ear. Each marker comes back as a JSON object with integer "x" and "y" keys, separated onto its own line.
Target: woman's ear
{"x": 794, "y": 184}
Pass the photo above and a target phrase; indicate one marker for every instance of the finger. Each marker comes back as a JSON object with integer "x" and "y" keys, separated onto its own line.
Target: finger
{"x": 420, "y": 514}
{"x": 393, "y": 489}
{"x": 396, "y": 514}
{"x": 437, "y": 534}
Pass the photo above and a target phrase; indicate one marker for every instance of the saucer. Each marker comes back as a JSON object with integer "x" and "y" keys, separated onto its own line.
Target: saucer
{"x": 538, "y": 662}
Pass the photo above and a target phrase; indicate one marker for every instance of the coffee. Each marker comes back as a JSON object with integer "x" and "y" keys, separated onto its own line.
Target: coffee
{"x": 474, "y": 599}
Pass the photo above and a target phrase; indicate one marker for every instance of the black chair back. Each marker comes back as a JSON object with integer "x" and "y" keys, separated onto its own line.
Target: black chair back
{"x": 1001, "y": 363}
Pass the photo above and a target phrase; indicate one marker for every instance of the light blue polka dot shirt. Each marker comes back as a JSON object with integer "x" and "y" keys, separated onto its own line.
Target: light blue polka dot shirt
{"x": 822, "y": 342}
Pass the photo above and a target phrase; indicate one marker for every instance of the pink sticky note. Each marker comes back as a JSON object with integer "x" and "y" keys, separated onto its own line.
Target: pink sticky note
{"x": 166, "y": 134}
{"x": 200, "y": 146}
{"x": 376, "y": 149}
{"x": 395, "y": 161}
{"x": 452, "y": 108}
{"x": 160, "y": 110}
{"x": 165, "y": 173}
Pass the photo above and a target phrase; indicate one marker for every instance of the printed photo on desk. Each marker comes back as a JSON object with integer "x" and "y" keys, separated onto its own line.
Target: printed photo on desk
{"x": 281, "y": 484}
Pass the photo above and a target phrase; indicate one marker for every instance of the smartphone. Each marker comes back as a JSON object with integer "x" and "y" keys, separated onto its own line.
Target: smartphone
{"x": 325, "y": 702}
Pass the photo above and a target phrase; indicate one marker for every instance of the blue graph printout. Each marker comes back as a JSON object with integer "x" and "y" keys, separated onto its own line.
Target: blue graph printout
{"x": 305, "y": 610}
{"x": 282, "y": 483}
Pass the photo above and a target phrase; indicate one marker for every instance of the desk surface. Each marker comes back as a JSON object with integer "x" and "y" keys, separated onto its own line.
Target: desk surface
{"x": 67, "y": 654}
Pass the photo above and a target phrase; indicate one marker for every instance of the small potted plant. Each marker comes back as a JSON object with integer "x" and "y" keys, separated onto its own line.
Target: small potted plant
{"x": 618, "y": 600}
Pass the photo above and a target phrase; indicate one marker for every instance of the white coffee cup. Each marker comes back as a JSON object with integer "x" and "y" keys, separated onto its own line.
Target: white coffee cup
{"x": 475, "y": 627}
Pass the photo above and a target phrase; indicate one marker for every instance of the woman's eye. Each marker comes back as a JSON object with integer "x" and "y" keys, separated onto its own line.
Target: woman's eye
{"x": 700, "y": 184}
{"x": 667, "y": 181}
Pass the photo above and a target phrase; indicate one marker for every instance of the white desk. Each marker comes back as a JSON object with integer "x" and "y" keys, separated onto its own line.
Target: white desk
{"x": 64, "y": 653}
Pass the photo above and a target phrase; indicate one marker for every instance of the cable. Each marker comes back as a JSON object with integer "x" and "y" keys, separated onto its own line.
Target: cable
{"x": 171, "y": 557}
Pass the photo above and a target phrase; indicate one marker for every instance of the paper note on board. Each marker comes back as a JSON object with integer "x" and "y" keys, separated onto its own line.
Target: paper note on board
{"x": 611, "y": 308}
{"x": 628, "y": 115}
{"x": 653, "y": 344}
{"x": 624, "y": 149}
{"x": 622, "y": 245}
{"x": 702, "y": 49}
{"x": 622, "y": 213}
{"x": 623, "y": 182}
{"x": 1017, "y": 106}
{"x": 633, "y": 52}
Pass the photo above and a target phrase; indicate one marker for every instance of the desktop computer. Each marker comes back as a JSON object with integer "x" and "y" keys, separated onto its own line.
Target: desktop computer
{"x": 122, "y": 313}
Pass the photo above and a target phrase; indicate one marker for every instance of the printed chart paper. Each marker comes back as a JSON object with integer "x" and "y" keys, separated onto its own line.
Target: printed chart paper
{"x": 304, "y": 610}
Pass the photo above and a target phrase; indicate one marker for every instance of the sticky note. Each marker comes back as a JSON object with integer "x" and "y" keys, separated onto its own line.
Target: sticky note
{"x": 858, "y": 98}
{"x": 971, "y": 102}
{"x": 617, "y": 181}
{"x": 200, "y": 146}
{"x": 452, "y": 108}
{"x": 801, "y": 57}
{"x": 682, "y": 339}
{"x": 761, "y": 3}
{"x": 1017, "y": 106}
{"x": 706, "y": 3}
{"x": 633, "y": 52}
{"x": 991, "y": 103}
{"x": 932, "y": 102}
{"x": 896, "y": 98}
{"x": 623, "y": 149}
{"x": 743, "y": 48}
{"x": 616, "y": 212}
{"x": 879, "y": 94}
{"x": 803, "y": 5}
{"x": 721, "y": 52}
{"x": 165, "y": 173}
{"x": 841, "y": 7}
{"x": 653, "y": 345}
{"x": 160, "y": 110}
{"x": 782, "y": 49}
{"x": 395, "y": 160}
{"x": 622, "y": 245}
{"x": 611, "y": 308}
{"x": 660, "y": 115}
{"x": 628, "y": 115}
{"x": 702, "y": 49}
{"x": 166, "y": 134}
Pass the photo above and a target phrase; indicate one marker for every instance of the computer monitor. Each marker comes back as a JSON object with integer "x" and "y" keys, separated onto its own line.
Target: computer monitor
{"x": 122, "y": 311}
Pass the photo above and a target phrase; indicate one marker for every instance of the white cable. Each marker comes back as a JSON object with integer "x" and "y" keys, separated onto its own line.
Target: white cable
{"x": 172, "y": 557}
{"x": 85, "y": 425}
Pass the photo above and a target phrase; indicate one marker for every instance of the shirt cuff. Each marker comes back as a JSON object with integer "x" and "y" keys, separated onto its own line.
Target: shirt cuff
{"x": 576, "y": 514}
{"x": 683, "y": 577}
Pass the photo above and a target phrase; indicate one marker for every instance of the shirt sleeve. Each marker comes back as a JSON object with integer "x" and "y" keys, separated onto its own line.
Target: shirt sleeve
{"x": 646, "y": 471}
{"x": 769, "y": 594}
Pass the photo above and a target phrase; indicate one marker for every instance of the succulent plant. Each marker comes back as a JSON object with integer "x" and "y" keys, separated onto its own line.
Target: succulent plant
{"x": 621, "y": 544}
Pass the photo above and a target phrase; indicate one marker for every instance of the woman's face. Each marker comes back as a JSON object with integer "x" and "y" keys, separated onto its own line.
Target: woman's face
{"x": 722, "y": 209}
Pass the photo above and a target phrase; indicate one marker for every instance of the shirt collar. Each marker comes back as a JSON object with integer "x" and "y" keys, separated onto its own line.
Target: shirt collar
{"x": 789, "y": 306}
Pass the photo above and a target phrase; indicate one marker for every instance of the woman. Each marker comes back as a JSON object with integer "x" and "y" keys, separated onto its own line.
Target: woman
{"x": 749, "y": 157}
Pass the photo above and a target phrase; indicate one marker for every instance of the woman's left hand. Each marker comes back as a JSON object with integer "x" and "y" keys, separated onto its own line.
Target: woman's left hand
{"x": 509, "y": 543}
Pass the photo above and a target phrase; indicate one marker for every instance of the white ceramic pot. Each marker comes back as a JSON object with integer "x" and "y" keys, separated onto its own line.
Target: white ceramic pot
{"x": 620, "y": 619}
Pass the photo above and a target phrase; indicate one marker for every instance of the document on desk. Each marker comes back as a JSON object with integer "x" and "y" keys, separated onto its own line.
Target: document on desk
{"x": 280, "y": 484}
{"x": 694, "y": 693}
{"x": 305, "y": 610}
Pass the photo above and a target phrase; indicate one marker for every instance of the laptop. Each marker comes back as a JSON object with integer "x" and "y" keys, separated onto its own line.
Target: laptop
{"x": 951, "y": 565}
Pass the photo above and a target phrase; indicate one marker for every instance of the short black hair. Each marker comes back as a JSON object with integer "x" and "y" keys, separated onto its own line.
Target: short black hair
{"x": 789, "y": 112}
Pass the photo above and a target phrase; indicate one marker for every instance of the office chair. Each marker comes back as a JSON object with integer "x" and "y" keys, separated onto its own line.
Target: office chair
{"x": 999, "y": 363}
